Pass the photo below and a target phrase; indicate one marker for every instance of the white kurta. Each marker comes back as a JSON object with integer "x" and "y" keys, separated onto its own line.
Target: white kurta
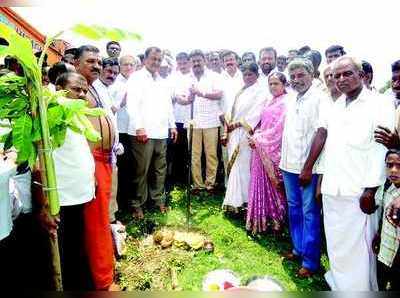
{"x": 248, "y": 107}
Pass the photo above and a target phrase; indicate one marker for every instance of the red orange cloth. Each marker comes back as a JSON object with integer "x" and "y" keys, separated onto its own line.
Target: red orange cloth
{"x": 98, "y": 239}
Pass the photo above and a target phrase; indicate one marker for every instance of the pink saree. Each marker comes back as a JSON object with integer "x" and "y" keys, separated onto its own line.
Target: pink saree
{"x": 267, "y": 203}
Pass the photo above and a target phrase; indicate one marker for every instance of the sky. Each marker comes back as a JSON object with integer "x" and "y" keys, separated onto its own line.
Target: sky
{"x": 364, "y": 28}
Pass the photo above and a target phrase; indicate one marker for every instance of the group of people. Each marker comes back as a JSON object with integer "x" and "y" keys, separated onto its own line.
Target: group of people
{"x": 295, "y": 147}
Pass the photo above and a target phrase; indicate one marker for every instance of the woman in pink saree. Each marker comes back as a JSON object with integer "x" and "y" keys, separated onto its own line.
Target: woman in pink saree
{"x": 267, "y": 203}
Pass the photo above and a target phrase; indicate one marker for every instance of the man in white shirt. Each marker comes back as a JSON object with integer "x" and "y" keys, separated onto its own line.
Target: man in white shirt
{"x": 330, "y": 83}
{"x": 74, "y": 167}
{"x": 300, "y": 126}
{"x": 151, "y": 118}
{"x": 333, "y": 52}
{"x": 248, "y": 57}
{"x": 204, "y": 92}
{"x": 281, "y": 63}
{"x": 353, "y": 169}
{"x": 179, "y": 151}
{"x": 383, "y": 135}
{"x": 232, "y": 80}
{"x": 118, "y": 90}
{"x": 113, "y": 49}
{"x": 368, "y": 75}
{"x": 108, "y": 74}
{"x": 267, "y": 62}
{"x": 215, "y": 62}
{"x": 102, "y": 86}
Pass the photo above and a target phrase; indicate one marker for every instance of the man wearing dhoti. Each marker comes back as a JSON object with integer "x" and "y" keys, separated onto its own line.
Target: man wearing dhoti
{"x": 353, "y": 168}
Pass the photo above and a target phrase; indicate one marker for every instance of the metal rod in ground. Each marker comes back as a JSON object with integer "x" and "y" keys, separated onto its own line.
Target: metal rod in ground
{"x": 188, "y": 187}
{"x": 189, "y": 168}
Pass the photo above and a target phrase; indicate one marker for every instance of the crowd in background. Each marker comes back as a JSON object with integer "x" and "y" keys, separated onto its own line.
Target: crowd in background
{"x": 285, "y": 141}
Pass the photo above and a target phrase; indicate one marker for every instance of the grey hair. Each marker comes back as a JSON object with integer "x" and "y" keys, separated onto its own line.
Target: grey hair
{"x": 357, "y": 63}
{"x": 301, "y": 63}
{"x": 125, "y": 57}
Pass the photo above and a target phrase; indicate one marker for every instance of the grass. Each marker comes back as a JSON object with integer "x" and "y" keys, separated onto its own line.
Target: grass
{"x": 147, "y": 267}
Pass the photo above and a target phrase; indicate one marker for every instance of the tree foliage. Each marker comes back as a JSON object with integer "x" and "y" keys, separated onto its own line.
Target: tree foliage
{"x": 38, "y": 118}
{"x": 18, "y": 104}
{"x": 97, "y": 32}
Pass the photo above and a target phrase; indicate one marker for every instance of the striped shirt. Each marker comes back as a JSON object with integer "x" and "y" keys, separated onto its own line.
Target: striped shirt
{"x": 389, "y": 238}
{"x": 301, "y": 123}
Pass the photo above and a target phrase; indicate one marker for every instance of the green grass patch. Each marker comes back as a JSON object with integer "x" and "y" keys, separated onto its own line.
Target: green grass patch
{"x": 148, "y": 267}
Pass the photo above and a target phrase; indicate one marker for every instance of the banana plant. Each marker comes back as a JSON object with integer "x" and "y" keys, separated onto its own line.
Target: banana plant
{"x": 38, "y": 119}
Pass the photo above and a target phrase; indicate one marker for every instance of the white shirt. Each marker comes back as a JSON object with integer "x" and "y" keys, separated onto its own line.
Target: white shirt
{"x": 149, "y": 105}
{"x": 181, "y": 112}
{"x": 325, "y": 107}
{"x": 232, "y": 86}
{"x": 263, "y": 79}
{"x": 206, "y": 111}
{"x": 353, "y": 160}
{"x": 103, "y": 91}
{"x": 301, "y": 123}
{"x": 107, "y": 101}
{"x": 74, "y": 166}
{"x": 118, "y": 92}
{"x": 317, "y": 83}
{"x": 7, "y": 170}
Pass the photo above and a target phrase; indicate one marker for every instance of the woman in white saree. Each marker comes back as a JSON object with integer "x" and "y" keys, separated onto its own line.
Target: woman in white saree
{"x": 240, "y": 124}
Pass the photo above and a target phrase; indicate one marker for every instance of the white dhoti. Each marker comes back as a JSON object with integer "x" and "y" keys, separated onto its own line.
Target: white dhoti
{"x": 349, "y": 234}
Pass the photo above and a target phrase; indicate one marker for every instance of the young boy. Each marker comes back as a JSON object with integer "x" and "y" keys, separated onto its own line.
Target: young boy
{"x": 386, "y": 243}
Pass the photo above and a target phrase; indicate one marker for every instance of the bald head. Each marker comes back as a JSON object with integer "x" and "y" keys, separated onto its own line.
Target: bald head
{"x": 347, "y": 72}
{"x": 348, "y": 60}
{"x": 127, "y": 65}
